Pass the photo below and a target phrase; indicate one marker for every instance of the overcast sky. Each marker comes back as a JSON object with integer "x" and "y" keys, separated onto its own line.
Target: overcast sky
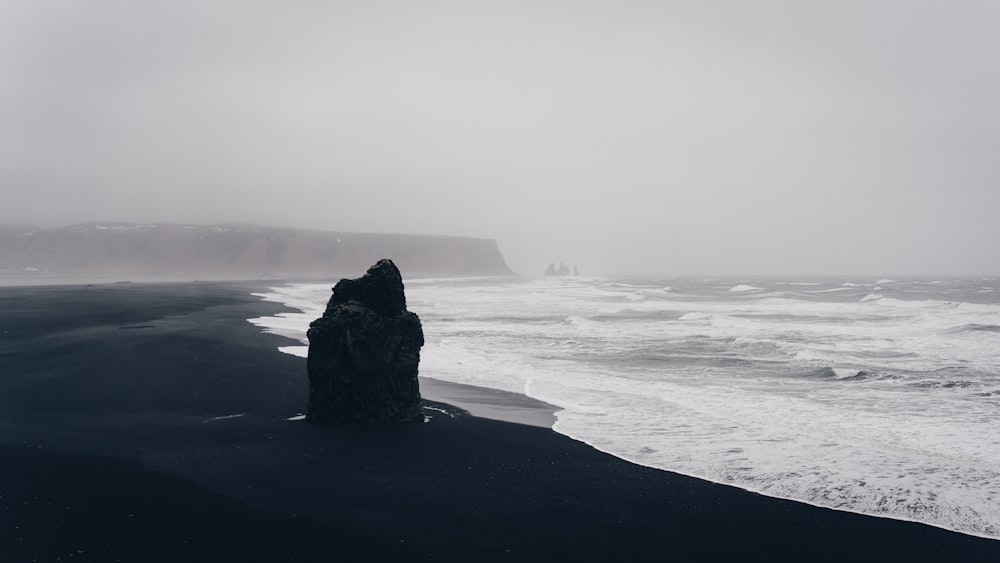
{"x": 676, "y": 137}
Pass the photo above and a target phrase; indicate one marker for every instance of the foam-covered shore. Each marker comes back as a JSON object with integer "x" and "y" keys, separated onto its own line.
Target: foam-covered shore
{"x": 151, "y": 423}
{"x": 822, "y": 395}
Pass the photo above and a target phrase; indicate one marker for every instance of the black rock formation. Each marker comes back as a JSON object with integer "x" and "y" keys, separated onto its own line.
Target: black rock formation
{"x": 563, "y": 270}
{"x": 364, "y": 353}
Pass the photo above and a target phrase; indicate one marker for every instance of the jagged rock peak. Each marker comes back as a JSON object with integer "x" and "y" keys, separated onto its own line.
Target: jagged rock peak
{"x": 380, "y": 289}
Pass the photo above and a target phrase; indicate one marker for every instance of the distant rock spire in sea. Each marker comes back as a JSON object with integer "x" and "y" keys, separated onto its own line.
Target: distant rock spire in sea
{"x": 562, "y": 270}
{"x": 364, "y": 352}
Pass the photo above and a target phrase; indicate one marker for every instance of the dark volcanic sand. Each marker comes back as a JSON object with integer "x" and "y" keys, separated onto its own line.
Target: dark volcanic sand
{"x": 112, "y": 450}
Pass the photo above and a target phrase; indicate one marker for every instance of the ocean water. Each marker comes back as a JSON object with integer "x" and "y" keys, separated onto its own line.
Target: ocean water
{"x": 873, "y": 396}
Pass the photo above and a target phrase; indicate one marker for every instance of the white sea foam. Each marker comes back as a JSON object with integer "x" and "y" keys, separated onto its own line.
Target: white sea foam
{"x": 884, "y": 406}
{"x": 300, "y": 351}
{"x": 226, "y": 417}
{"x": 743, "y": 288}
{"x": 833, "y": 290}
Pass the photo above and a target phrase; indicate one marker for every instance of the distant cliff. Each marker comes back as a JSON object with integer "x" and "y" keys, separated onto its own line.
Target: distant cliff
{"x": 233, "y": 251}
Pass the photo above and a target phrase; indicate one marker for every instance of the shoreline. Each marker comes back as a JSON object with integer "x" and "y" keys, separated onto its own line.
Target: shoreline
{"x": 126, "y": 391}
{"x": 493, "y": 404}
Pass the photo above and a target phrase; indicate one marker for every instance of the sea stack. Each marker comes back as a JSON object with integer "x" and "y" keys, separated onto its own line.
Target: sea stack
{"x": 364, "y": 353}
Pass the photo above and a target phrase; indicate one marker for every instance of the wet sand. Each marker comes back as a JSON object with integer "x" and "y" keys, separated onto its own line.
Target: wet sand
{"x": 149, "y": 422}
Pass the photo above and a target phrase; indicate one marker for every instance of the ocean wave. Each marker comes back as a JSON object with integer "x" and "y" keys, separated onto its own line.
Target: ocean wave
{"x": 844, "y": 374}
{"x": 945, "y": 384}
{"x": 936, "y": 304}
{"x": 774, "y": 295}
{"x": 836, "y": 289}
{"x": 741, "y": 288}
{"x": 973, "y": 327}
{"x": 696, "y": 316}
{"x": 574, "y": 320}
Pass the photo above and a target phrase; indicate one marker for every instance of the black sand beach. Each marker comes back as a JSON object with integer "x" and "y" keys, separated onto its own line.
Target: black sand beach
{"x": 149, "y": 422}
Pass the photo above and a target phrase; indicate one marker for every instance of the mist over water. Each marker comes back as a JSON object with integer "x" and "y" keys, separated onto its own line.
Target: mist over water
{"x": 873, "y": 396}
